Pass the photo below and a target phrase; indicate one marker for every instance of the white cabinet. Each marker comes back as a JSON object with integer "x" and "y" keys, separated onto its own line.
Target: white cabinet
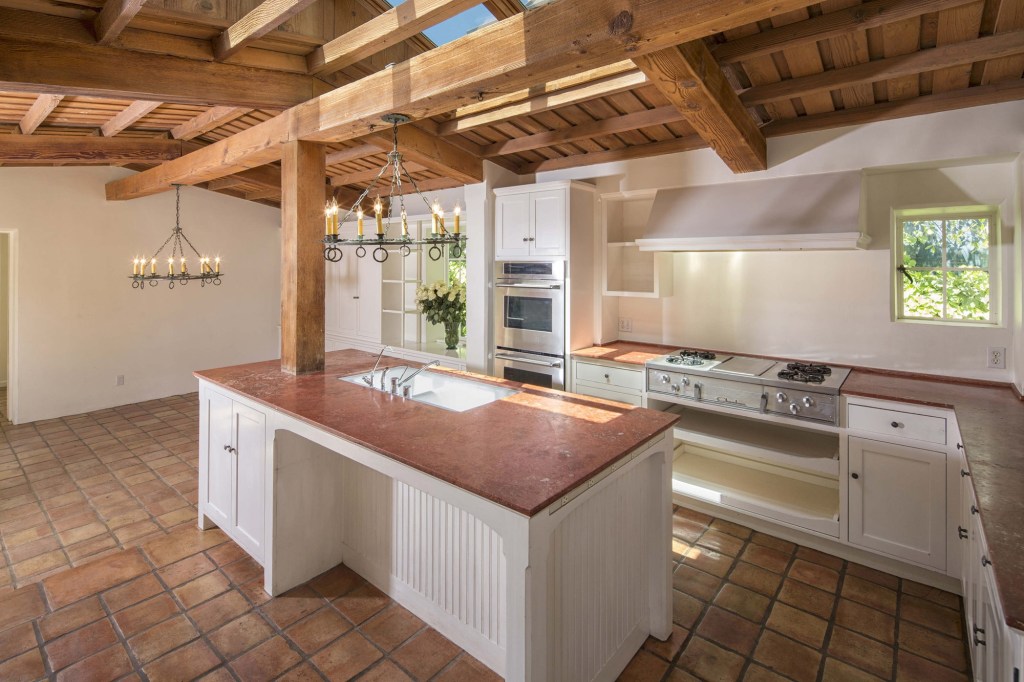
{"x": 352, "y": 297}
{"x": 611, "y": 381}
{"x": 531, "y": 222}
{"x": 233, "y": 461}
{"x": 897, "y": 501}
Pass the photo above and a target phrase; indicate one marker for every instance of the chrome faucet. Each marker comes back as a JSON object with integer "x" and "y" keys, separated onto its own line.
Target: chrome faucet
{"x": 405, "y": 380}
{"x": 368, "y": 379}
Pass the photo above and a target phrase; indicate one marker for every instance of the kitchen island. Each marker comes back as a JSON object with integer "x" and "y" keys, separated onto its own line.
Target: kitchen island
{"x": 532, "y": 531}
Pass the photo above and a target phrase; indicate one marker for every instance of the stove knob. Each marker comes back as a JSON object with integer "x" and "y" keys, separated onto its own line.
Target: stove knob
{"x": 675, "y": 388}
{"x": 781, "y": 397}
{"x": 794, "y": 408}
{"x": 808, "y": 401}
{"x": 664, "y": 378}
{"x": 685, "y": 381}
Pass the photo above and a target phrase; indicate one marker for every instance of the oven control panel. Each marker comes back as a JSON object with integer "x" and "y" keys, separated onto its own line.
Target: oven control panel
{"x": 802, "y": 404}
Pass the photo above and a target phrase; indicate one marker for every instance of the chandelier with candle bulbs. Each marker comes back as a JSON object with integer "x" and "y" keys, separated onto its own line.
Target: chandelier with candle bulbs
{"x": 151, "y": 270}
{"x": 384, "y": 214}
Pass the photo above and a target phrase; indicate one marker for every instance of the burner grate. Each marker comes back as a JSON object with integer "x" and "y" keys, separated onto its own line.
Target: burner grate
{"x": 807, "y": 373}
{"x": 699, "y": 354}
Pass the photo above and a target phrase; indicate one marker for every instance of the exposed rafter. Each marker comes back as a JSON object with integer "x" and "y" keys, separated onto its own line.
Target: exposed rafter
{"x": 260, "y": 21}
{"x": 691, "y": 80}
{"x": 383, "y": 31}
{"x": 50, "y": 149}
{"x": 681, "y": 144}
{"x": 363, "y": 177}
{"x": 131, "y": 114}
{"x": 945, "y": 56}
{"x": 608, "y": 85}
{"x": 558, "y": 38}
{"x": 37, "y": 113}
{"x": 207, "y": 121}
{"x": 861, "y": 17}
{"x": 430, "y": 151}
{"x": 503, "y": 9}
{"x": 112, "y": 19}
{"x": 359, "y": 151}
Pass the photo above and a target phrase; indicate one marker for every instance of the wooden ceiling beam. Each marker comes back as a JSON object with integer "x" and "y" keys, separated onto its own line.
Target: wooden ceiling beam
{"x": 551, "y": 41}
{"x": 433, "y": 152}
{"x": 129, "y": 116}
{"x": 830, "y": 25}
{"x": 584, "y": 131}
{"x": 503, "y": 9}
{"x": 609, "y": 85}
{"x": 37, "y": 113}
{"x": 113, "y": 18}
{"x": 980, "y": 95}
{"x": 207, "y": 121}
{"x": 60, "y": 68}
{"x": 224, "y": 183}
{"x": 679, "y": 144}
{"x": 365, "y": 176}
{"x": 387, "y": 29}
{"x": 267, "y": 16}
{"x": 944, "y": 56}
{"x": 351, "y": 153}
{"x": 52, "y": 149}
{"x": 692, "y": 81}
{"x": 265, "y": 193}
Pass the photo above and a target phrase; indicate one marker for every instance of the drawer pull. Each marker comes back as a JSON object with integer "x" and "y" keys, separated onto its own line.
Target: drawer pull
{"x": 895, "y": 425}
{"x": 964, "y": 473}
{"x": 230, "y": 449}
{"x": 979, "y": 631}
{"x": 959, "y": 446}
{"x": 985, "y": 561}
{"x": 607, "y": 376}
{"x": 855, "y": 475}
{"x": 974, "y": 510}
{"x": 978, "y": 642}
{"x": 962, "y": 532}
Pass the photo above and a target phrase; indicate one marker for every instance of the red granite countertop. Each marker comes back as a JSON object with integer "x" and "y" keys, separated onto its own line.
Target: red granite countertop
{"x": 522, "y": 452}
{"x": 625, "y": 351}
{"x": 991, "y": 421}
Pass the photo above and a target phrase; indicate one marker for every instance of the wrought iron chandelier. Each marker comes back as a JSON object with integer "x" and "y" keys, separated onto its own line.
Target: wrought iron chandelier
{"x": 439, "y": 235}
{"x": 207, "y": 273}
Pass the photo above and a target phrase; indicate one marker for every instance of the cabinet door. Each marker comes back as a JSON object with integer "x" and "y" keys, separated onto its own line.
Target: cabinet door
{"x": 550, "y": 226}
{"x": 341, "y": 294}
{"x": 250, "y": 458}
{"x": 219, "y": 459}
{"x": 897, "y": 501}
{"x": 512, "y": 226}
{"x": 369, "y": 301}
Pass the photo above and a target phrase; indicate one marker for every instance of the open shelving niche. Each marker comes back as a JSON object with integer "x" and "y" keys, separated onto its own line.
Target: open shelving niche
{"x": 783, "y": 473}
{"x": 402, "y": 324}
{"x": 628, "y": 271}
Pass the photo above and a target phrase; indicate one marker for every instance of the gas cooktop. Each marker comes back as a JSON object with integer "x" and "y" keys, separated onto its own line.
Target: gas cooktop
{"x": 816, "y": 377}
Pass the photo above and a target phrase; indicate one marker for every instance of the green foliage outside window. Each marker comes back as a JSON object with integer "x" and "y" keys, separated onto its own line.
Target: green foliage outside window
{"x": 945, "y": 269}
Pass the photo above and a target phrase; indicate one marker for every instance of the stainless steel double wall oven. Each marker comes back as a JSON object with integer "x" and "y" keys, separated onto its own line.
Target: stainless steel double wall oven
{"x": 529, "y": 320}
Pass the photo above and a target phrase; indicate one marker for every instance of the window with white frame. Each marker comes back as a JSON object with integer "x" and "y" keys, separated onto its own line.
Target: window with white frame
{"x": 945, "y": 264}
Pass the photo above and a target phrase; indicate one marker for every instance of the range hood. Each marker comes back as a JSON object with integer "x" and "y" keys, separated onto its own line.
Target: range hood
{"x": 812, "y": 212}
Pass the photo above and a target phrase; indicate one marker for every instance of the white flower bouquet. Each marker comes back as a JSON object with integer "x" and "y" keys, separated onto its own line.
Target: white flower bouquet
{"x": 444, "y": 303}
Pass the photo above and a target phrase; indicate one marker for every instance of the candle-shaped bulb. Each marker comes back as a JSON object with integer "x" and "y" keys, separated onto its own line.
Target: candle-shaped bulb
{"x": 405, "y": 223}
{"x": 152, "y": 266}
{"x": 378, "y": 208}
{"x": 170, "y": 266}
{"x": 216, "y": 264}
{"x": 458, "y": 211}
{"x": 327, "y": 219}
{"x": 135, "y": 266}
{"x": 359, "y": 221}
{"x": 183, "y": 266}
{"x": 436, "y": 208}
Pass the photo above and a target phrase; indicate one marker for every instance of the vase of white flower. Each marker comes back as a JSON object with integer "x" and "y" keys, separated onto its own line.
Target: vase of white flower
{"x": 445, "y": 304}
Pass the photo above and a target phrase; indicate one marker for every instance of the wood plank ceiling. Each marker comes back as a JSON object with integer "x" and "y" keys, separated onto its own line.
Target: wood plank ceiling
{"x": 126, "y": 83}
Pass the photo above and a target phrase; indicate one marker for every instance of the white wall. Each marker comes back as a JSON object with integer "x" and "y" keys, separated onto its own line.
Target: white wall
{"x": 5, "y": 255}
{"x": 78, "y": 321}
{"x": 835, "y": 306}
{"x": 1018, "y": 286}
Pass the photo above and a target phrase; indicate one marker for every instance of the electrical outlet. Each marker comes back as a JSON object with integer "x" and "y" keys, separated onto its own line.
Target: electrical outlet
{"x": 119, "y": 380}
{"x": 996, "y": 357}
{"x": 625, "y": 324}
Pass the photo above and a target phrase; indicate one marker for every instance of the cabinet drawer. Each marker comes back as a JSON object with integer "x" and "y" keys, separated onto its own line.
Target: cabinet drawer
{"x": 895, "y": 423}
{"x": 602, "y": 392}
{"x": 632, "y": 379}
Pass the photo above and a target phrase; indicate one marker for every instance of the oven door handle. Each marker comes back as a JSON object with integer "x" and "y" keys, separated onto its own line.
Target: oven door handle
{"x": 556, "y": 363}
{"x": 528, "y": 286}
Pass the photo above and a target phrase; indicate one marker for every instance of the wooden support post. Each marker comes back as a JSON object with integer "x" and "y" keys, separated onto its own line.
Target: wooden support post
{"x": 302, "y": 261}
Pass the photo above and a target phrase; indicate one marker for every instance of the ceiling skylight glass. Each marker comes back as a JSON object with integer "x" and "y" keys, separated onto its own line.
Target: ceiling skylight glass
{"x": 457, "y": 26}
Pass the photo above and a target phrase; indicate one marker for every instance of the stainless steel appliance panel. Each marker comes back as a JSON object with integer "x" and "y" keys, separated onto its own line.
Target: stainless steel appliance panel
{"x": 530, "y": 368}
{"x": 529, "y": 307}
{"x": 803, "y": 404}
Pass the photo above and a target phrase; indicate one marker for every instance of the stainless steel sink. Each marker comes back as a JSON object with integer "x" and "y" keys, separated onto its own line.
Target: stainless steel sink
{"x": 457, "y": 394}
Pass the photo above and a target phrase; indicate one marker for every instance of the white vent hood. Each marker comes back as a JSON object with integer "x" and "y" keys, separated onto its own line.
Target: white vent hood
{"x": 814, "y": 212}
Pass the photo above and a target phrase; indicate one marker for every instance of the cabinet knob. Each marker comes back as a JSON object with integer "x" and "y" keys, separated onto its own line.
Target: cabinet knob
{"x": 230, "y": 449}
{"x": 607, "y": 376}
{"x": 974, "y": 510}
{"x": 962, "y": 532}
{"x": 959, "y": 446}
{"x": 964, "y": 472}
{"x": 356, "y": 297}
{"x": 985, "y": 561}
{"x": 978, "y": 642}
{"x": 526, "y": 239}
{"x": 895, "y": 425}
{"x": 855, "y": 475}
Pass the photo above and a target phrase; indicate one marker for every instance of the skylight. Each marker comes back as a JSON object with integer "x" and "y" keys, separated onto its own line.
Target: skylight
{"x": 456, "y": 27}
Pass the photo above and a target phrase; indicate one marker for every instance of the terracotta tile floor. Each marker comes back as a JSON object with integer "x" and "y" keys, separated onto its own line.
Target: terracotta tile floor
{"x": 104, "y": 576}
